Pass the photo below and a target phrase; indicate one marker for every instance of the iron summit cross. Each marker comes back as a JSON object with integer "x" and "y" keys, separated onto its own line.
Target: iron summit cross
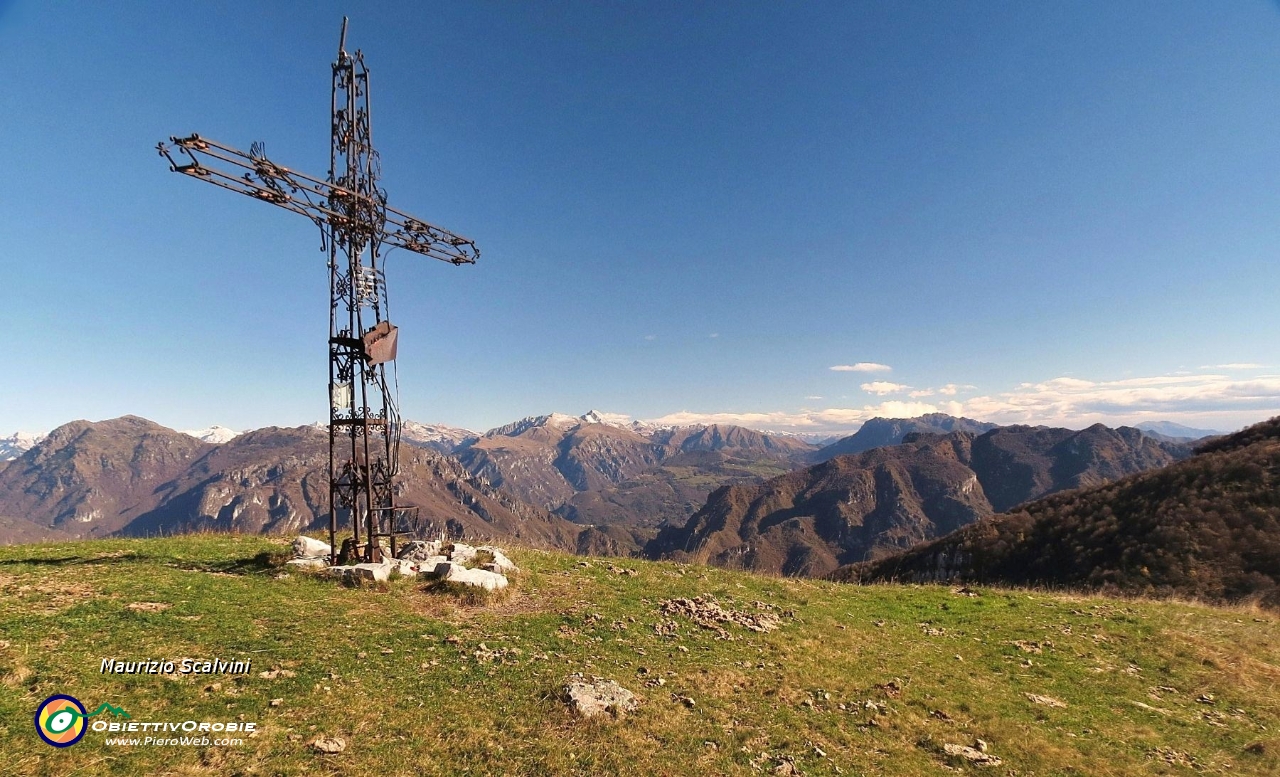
{"x": 356, "y": 222}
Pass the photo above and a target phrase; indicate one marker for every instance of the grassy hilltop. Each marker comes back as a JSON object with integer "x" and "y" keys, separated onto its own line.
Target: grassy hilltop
{"x": 855, "y": 680}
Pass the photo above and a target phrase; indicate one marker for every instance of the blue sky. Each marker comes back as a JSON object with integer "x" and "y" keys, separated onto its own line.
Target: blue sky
{"x": 1039, "y": 212}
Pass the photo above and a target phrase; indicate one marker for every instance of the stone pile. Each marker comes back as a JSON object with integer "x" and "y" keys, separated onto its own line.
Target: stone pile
{"x": 484, "y": 567}
{"x": 709, "y": 614}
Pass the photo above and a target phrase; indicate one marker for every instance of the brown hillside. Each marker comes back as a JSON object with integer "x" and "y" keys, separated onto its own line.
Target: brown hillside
{"x": 1207, "y": 527}
{"x": 857, "y": 507}
{"x": 132, "y": 477}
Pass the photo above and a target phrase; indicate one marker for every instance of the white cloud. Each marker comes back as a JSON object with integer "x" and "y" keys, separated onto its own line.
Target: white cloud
{"x": 951, "y": 389}
{"x": 919, "y": 393}
{"x": 882, "y": 387}
{"x": 813, "y": 397}
{"x": 1213, "y": 400}
{"x": 651, "y": 337}
{"x": 1076, "y": 402}
{"x": 835, "y": 419}
{"x": 862, "y": 367}
{"x": 1234, "y": 366}
{"x": 714, "y": 335}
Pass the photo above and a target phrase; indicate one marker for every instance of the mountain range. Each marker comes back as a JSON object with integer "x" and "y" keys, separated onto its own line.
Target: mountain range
{"x": 1207, "y": 527}
{"x": 632, "y": 478}
{"x": 879, "y": 432}
{"x": 858, "y": 506}
{"x": 130, "y": 476}
{"x": 1177, "y": 431}
{"x": 594, "y": 484}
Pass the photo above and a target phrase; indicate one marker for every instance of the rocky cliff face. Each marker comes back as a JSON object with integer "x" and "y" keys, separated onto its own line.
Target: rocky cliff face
{"x": 873, "y": 503}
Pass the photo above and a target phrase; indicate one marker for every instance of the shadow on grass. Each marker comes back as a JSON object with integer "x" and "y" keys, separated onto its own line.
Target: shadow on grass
{"x": 265, "y": 561}
{"x": 66, "y": 561}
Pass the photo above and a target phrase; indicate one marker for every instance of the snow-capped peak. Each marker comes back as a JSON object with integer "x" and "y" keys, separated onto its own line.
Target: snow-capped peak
{"x": 619, "y": 420}
{"x": 18, "y": 443}
{"x": 561, "y": 421}
{"x": 214, "y": 434}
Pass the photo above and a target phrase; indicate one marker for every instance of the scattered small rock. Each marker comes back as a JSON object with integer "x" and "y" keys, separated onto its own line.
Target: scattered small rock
{"x": 974, "y": 755}
{"x": 1144, "y": 706}
{"x": 274, "y": 673}
{"x": 685, "y": 700}
{"x": 149, "y": 606}
{"x": 329, "y": 745}
{"x": 786, "y": 766}
{"x": 706, "y": 612}
{"x": 1047, "y": 701}
{"x": 277, "y": 702}
{"x": 598, "y": 696}
{"x": 1205, "y": 698}
{"x": 1175, "y": 757}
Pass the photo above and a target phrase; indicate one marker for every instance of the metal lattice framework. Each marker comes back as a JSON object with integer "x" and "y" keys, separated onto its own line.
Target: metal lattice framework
{"x": 352, "y": 213}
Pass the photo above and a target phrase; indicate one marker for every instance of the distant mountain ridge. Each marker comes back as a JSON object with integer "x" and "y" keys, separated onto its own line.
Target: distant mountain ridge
{"x": 130, "y": 476}
{"x": 878, "y": 432}
{"x": 1207, "y": 527}
{"x": 1171, "y": 429}
{"x": 858, "y": 506}
{"x": 547, "y": 460}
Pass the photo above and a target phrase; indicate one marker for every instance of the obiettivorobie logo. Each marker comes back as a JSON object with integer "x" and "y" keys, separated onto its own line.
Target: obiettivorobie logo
{"x": 61, "y": 720}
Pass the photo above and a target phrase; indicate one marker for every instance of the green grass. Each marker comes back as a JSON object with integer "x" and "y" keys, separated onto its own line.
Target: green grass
{"x": 398, "y": 671}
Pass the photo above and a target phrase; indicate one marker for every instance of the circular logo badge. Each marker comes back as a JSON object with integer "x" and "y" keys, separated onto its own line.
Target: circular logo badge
{"x": 60, "y": 720}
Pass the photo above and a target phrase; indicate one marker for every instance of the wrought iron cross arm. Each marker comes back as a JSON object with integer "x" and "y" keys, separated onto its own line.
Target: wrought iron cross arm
{"x": 405, "y": 231}
{"x": 250, "y": 174}
{"x": 324, "y": 203}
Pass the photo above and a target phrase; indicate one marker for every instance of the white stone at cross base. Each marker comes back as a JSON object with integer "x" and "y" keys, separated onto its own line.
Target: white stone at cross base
{"x": 420, "y": 550}
{"x": 500, "y": 562}
{"x": 375, "y": 572}
{"x": 308, "y": 563}
{"x": 462, "y": 553}
{"x": 305, "y": 547}
{"x": 452, "y": 572}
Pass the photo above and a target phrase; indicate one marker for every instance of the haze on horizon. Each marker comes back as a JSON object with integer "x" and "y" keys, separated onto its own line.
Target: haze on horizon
{"x": 789, "y": 217}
